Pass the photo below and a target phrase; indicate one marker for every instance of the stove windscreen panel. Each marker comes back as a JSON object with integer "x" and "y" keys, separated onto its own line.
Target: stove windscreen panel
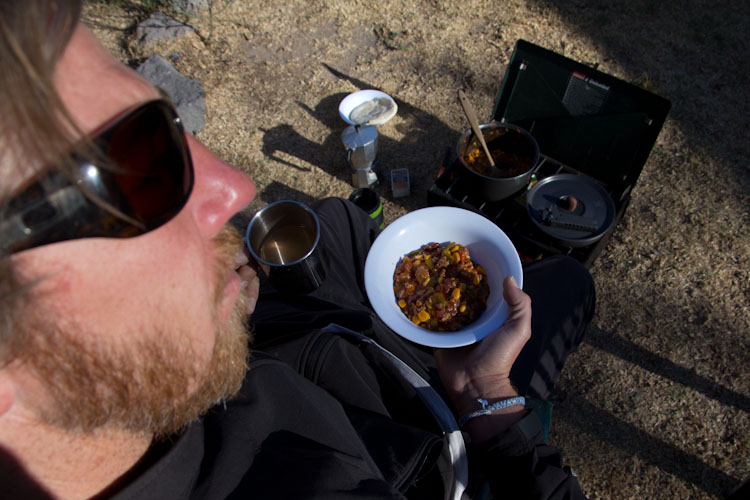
{"x": 594, "y": 122}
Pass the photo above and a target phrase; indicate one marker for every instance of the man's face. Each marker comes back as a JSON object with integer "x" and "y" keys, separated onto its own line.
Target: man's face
{"x": 142, "y": 333}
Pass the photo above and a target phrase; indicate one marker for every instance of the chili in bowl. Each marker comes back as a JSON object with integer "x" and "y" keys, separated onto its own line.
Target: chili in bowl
{"x": 440, "y": 288}
{"x": 482, "y": 250}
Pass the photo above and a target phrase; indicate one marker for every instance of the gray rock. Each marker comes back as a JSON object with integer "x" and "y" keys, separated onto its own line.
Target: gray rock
{"x": 189, "y": 7}
{"x": 186, "y": 93}
{"x": 160, "y": 27}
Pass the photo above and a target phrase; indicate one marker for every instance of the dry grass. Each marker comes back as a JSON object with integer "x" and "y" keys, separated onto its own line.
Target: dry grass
{"x": 656, "y": 403}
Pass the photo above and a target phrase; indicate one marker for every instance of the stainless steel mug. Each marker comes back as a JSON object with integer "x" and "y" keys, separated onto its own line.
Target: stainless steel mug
{"x": 283, "y": 237}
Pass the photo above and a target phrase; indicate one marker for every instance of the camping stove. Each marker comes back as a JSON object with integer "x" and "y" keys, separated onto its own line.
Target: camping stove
{"x": 451, "y": 187}
{"x": 592, "y": 129}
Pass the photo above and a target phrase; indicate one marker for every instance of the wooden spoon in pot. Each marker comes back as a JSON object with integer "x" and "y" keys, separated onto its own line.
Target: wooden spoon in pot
{"x": 469, "y": 111}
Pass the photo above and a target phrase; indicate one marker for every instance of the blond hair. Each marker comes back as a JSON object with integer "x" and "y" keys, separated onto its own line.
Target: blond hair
{"x": 34, "y": 125}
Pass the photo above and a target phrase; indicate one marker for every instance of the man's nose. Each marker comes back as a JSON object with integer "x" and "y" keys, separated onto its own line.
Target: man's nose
{"x": 219, "y": 192}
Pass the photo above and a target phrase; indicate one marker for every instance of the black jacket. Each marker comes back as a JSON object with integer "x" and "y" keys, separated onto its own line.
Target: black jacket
{"x": 322, "y": 416}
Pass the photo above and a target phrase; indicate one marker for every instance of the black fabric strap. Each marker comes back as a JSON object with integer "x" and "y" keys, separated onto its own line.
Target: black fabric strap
{"x": 439, "y": 409}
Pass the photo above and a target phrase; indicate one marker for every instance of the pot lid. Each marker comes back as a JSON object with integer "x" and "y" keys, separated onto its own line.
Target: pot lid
{"x": 571, "y": 208}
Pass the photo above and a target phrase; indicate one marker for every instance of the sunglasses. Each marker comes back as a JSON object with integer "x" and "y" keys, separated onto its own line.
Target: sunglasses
{"x": 139, "y": 176}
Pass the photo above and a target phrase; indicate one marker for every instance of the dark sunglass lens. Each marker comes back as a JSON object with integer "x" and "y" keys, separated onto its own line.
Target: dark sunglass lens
{"x": 139, "y": 177}
{"x": 153, "y": 172}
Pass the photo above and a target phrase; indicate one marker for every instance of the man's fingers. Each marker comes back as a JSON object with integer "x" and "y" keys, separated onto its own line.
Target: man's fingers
{"x": 514, "y": 296}
{"x": 519, "y": 304}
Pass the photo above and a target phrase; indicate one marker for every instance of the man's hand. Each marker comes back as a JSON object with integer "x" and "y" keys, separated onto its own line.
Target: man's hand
{"x": 482, "y": 370}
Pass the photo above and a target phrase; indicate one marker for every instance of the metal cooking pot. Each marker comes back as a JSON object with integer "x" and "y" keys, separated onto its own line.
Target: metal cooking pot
{"x": 514, "y": 151}
{"x": 576, "y": 224}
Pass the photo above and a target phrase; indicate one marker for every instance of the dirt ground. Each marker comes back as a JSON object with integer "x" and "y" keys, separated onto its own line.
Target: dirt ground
{"x": 656, "y": 402}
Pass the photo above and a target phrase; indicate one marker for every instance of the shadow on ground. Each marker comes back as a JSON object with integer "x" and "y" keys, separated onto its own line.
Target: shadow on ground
{"x": 573, "y": 406}
{"x": 634, "y": 441}
{"x": 427, "y": 138}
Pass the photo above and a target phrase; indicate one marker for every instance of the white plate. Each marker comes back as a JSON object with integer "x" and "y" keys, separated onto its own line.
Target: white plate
{"x": 488, "y": 246}
{"x": 350, "y": 102}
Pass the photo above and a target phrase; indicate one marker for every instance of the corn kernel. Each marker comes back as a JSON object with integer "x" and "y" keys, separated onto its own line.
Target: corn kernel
{"x": 456, "y": 258}
{"x": 423, "y": 316}
{"x": 415, "y": 320}
{"x": 402, "y": 303}
{"x": 462, "y": 308}
{"x": 456, "y": 294}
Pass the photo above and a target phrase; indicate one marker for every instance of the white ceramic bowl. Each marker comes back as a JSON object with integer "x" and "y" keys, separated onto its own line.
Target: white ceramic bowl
{"x": 488, "y": 246}
{"x": 354, "y": 99}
